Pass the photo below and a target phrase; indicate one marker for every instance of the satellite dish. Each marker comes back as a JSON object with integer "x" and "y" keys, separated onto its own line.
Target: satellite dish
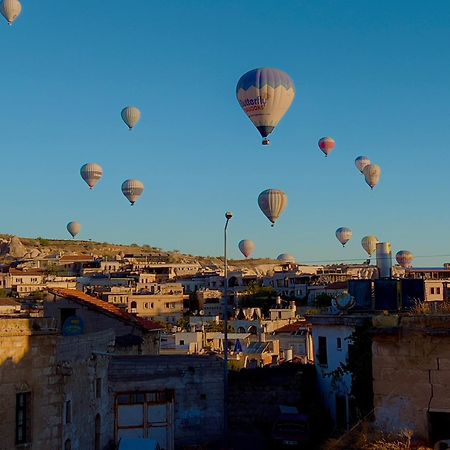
{"x": 202, "y": 313}
{"x": 344, "y": 302}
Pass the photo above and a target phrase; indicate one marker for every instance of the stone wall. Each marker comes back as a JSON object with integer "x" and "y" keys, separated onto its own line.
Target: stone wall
{"x": 411, "y": 373}
{"x": 196, "y": 380}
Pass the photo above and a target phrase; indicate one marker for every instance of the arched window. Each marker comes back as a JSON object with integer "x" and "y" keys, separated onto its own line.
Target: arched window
{"x": 252, "y": 329}
{"x": 133, "y": 305}
{"x": 98, "y": 423}
{"x": 68, "y": 445}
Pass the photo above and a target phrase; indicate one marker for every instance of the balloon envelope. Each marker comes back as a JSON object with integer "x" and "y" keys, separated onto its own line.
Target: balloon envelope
{"x": 272, "y": 203}
{"x": 247, "y": 247}
{"x": 10, "y": 10}
{"x": 327, "y": 144}
{"x": 372, "y": 174}
{"x": 404, "y": 258}
{"x": 265, "y": 95}
{"x": 132, "y": 189}
{"x": 91, "y": 173}
{"x": 343, "y": 235}
{"x": 361, "y": 162}
{"x": 131, "y": 116}
{"x": 73, "y": 228}
{"x": 286, "y": 258}
{"x": 369, "y": 244}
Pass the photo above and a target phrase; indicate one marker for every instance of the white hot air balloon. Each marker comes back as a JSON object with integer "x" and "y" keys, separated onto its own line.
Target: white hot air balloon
{"x": 369, "y": 244}
{"x": 286, "y": 258}
{"x": 272, "y": 203}
{"x": 361, "y": 162}
{"x": 73, "y": 228}
{"x": 132, "y": 189}
{"x": 372, "y": 174}
{"x": 91, "y": 173}
{"x": 131, "y": 116}
{"x": 247, "y": 247}
{"x": 10, "y": 10}
{"x": 343, "y": 235}
{"x": 404, "y": 258}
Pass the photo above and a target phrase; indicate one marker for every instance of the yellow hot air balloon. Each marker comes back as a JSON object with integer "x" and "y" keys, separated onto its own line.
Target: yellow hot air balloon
{"x": 372, "y": 174}
{"x": 272, "y": 203}
{"x": 10, "y": 10}
{"x": 131, "y": 116}
{"x": 265, "y": 95}
{"x": 369, "y": 244}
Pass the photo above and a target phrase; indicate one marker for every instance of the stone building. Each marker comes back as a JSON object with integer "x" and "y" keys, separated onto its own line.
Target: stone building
{"x": 411, "y": 375}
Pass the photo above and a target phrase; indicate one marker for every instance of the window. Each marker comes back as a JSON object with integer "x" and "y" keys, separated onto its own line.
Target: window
{"x": 181, "y": 341}
{"x": 322, "y": 356}
{"x": 23, "y": 417}
{"x": 98, "y": 388}
{"x": 68, "y": 445}
{"x": 65, "y": 313}
{"x": 339, "y": 343}
{"x": 68, "y": 411}
{"x": 432, "y": 290}
{"x": 438, "y": 290}
{"x": 97, "y": 433}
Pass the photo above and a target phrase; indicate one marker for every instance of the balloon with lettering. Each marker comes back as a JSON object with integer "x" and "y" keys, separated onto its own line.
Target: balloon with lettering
{"x": 132, "y": 189}
{"x": 265, "y": 95}
{"x": 361, "y": 162}
{"x": 272, "y": 203}
{"x": 343, "y": 235}
{"x": 369, "y": 244}
{"x": 372, "y": 174}
{"x": 327, "y": 144}
{"x": 131, "y": 116}
{"x": 10, "y": 10}
{"x": 91, "y": 173}
{"x": 404, "y": 258}
{"x": 73, "y": 228}
{"x": 247, "y": 247}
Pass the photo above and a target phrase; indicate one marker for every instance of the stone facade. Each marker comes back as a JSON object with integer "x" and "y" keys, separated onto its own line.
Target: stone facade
{"x": 411, "y": 373}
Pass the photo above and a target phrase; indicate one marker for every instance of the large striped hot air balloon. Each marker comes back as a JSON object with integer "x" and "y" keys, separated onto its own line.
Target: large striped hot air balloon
{"x": 369, "y": 244}
{"x": 73, "y": 228}
{"x": 91, "y": 173}
{"x": 132, "y": 189}
{"x": 10, "y": 10}
{"x": 265, "y": 95}
{"x": 343, "y": 235}
{"x": 361, "y": 162}
{"x": 272, "y": 203}
{"x": 327, "y": 144}
{"x": 131, "y": 116}
{"x": 372, "y": 174}
{"x": 404, "y": 258}
{"x": 247, "y": 247}
{"x": 286, "y": 258}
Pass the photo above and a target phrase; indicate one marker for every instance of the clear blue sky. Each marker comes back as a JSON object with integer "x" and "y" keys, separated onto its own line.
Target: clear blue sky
{"x": 374, "y": 75}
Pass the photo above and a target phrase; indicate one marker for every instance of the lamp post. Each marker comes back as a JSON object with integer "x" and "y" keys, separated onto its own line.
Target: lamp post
{"x": 228, "y": 216}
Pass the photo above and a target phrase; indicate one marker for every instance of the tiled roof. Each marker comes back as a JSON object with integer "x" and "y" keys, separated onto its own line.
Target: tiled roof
{"x": 106, "y": 308}
{"x": 291, "y": 327}
{"x": 13, "y": 271}
{"x": 73, "y": 258}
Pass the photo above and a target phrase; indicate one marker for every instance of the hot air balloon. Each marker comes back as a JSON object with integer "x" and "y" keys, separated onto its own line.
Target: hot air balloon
{"x": 10, "y": 10}
{"x": 372, "y": 173}
{"x": 404, "y": 258}
{"x": 369, "y": 244}
{"x": 361, "y": 162}
{"x": 265, "y": 95}
{"x": 247, "y": 247}
{"x": 343, "y": 235}
{"x": 286, "y": 258}
{"x": 132, "y": 189}
{"x": 272, "y": 203}
{"x": 73, "y": 228}
{"x": 91, "y": 173}
{"x": 327, "y": 144}
{"x": 131, "y": 116}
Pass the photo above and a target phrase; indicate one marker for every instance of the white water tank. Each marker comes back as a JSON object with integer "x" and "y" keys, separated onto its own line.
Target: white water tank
{"x": 384, "y": 259}
{"x": 289, "y": 354}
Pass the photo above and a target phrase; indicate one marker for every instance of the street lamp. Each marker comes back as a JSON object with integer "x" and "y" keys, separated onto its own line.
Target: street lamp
{"x": 228, "y": 216}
